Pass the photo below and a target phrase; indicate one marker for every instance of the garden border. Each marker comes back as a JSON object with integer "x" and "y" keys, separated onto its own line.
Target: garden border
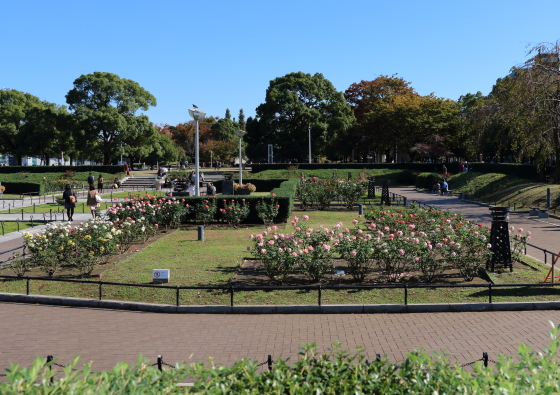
{"x": 281, "y": 309}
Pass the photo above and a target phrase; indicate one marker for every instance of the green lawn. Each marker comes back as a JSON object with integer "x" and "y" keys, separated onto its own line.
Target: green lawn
{"x": 215, "y": 261}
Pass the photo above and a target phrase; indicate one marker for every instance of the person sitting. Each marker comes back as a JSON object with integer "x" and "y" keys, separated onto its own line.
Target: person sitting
{"x": 434, "y": 188}
{"x": 210, "y": 190}
{"x": 116, "y": 183}
{"x": 444, "y": 188}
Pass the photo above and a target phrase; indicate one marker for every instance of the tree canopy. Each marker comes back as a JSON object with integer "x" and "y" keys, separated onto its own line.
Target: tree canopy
{"x": 292, "y": 104}
{"x": 105, "y": 107}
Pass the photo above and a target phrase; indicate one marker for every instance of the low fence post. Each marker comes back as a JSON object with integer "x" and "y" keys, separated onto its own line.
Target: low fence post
{"x": 27, "y": 285}
{"x": 406, "y": 294}
{"x": 489, "y": 292}
{"x": 485, "y": 359}
{"x": 100, "y": 290}
{"x": 360, "y": 209}
{"x": 177, "y": 295}
{"x": 49, "y": 360}
{"x": 159, "y": 363}
{"x": 319, "y": 294}
{"x": 269, "y": 362}
{"x": 231, "y": 295}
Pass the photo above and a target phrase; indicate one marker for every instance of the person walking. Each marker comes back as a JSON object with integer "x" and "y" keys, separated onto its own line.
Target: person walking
{"x": 93, "y": 200}
{"x": 90, "y": 179}
{"x": 70, "y": 200}
{"x": 100, "y": 183}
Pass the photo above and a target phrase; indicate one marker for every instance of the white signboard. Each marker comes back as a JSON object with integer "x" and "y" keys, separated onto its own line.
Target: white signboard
{"x": 160, "y": 276}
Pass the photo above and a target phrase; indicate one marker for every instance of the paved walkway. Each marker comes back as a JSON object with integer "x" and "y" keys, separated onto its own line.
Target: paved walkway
{"x": 107, "y": 337}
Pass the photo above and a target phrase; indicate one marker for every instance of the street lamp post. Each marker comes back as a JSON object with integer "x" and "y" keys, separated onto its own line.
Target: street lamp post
{"x": 211, "y": 160}
{"x": 240, "y": 133}
{"x": 309, "y": 143}
{"x": 197, "y": 115}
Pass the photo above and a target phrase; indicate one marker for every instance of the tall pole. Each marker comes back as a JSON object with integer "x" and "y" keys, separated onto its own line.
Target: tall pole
{"x": 240, "y": 167}
{"x": 309, "y": 143}
{"x": 211, "y": 160}
{"x": 196, "y": 168}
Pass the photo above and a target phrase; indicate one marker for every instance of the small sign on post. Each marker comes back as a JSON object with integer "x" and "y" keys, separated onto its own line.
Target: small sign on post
{"x": 160, "y": 276}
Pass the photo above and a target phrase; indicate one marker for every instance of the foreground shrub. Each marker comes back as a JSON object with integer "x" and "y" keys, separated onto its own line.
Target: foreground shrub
{"x": 336, "y": 372}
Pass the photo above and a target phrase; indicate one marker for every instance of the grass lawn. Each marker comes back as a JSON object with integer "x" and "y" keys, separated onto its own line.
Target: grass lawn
{"x": 216, "y": 260}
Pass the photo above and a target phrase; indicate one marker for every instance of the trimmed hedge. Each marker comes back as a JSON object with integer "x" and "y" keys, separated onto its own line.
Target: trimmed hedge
{"x": 416, "y": 166}
{"x": 112, "y": 169}
{"x": 23, "y": 187}
{"x": 262, "y": 184}
{"x": 515, "y": 169}
{"x": 285, "y": 195}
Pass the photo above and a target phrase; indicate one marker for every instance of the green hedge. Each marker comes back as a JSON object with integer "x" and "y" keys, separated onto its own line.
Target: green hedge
{"x": 416, "y": 166}
{"x": 262, "y": 184}
{"x": 112, "y": 169}
{"x": 513, "y": 169}
{"x": 23, "y": 187}
{"x": 427, "y": 180}
{"x": 284, "y": 199}
{"x": 516, "y": 169}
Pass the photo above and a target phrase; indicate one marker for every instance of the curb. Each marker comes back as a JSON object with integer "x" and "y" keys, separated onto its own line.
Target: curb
{"x": 279, "y": 309}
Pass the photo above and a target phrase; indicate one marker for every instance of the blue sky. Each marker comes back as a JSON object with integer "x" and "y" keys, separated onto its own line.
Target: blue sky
{"x": 222, "y": 54}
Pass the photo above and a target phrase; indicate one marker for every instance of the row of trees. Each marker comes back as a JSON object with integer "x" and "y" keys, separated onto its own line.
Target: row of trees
{"x": 100, "y": 123}
{"x": 383, "y": 116}
{"x": 518, "y": 121}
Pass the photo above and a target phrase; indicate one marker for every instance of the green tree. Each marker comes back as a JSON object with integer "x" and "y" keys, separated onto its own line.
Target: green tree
{"x": 15, "y": 109}
{"x": 292, "y": 104}
{"x": 106, "y": 106}
{"x": 228, "y": 114}
{"x": 241, "y": 120}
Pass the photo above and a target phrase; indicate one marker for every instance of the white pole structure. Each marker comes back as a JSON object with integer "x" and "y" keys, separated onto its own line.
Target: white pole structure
{"x": 197, "y": 114}
{"x": 309, "y": 143}
{"x": 211, "y": 160}
{"x": 240, "y": 133}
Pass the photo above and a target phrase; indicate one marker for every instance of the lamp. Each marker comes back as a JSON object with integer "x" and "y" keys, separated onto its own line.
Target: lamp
{"x": 197, "y": 114}
{"x": 240, "y": 133}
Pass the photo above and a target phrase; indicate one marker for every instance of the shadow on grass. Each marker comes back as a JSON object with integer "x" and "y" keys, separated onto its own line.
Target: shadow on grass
{"x": 518, "y": 291}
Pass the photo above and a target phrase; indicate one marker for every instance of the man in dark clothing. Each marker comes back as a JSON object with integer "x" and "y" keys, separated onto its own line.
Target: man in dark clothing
{"x": 90, "y": 179}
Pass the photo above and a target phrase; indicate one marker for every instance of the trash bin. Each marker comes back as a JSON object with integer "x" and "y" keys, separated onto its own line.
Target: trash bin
{"x": 158, "y": 185}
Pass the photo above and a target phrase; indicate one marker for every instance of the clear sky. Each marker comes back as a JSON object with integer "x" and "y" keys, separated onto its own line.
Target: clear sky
{"x": 222, "y": 54}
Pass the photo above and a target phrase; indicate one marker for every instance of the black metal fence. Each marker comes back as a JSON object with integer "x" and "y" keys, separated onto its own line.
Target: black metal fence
{"x": 231, "y": 289}
{"x": 50, "y": 362}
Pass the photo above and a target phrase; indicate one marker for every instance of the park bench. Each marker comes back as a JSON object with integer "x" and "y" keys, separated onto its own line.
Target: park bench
{"x": 533, "y": 211}
{"x": 540, "y": 212}
{"x": 449, "y": 192}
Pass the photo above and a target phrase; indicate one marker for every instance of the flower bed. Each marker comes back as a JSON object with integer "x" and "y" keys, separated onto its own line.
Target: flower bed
{"x": 391, "y": 242}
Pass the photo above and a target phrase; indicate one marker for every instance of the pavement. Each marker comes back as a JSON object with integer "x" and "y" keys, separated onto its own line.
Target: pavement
{"x": 109, "y": 336}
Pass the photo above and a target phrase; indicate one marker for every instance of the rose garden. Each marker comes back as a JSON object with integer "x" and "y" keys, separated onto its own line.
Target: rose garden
{"x": 291, "y": 237}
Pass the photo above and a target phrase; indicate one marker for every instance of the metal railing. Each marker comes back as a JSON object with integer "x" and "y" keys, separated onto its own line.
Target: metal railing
{"x": 231, "y": 289}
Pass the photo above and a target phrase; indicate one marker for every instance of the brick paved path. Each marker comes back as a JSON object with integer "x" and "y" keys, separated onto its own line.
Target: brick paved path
{"x": 107, "y": 336}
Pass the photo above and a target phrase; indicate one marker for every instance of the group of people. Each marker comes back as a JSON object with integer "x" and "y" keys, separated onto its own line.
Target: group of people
{"x": 70, "y": 197}
{"x": 440, "y": 188}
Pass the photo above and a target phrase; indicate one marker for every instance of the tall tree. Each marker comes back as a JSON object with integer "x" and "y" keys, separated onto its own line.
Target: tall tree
{"x": 106, "y": 107}
{"x": 241, "y": 120}
{"x": 228, "y": 114}
{"x": 295, "y": 102}
{"x": 15, "y": 110}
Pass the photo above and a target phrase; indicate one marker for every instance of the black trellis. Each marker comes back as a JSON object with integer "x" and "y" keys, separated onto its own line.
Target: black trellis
{"x": 385, "y": 193}
{"x": 499, "y": 239}
{"x": 371, "y": 188}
